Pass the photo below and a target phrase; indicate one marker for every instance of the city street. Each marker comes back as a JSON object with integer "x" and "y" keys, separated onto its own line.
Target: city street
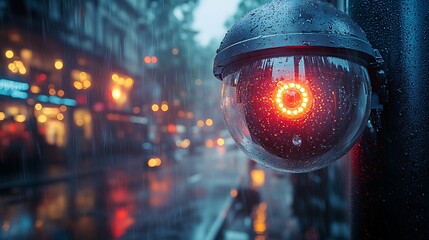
{"x": 214, "y": 120}
{"x": 177, "y": 200}
{"x": 112, "y": 126}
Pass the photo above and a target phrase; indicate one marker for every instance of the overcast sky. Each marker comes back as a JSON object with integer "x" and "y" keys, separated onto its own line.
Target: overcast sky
{"x": 210, "y": 17}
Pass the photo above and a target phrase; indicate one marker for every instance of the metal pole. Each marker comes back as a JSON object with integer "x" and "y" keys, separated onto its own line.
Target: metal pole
{"x": 390, "y": 179}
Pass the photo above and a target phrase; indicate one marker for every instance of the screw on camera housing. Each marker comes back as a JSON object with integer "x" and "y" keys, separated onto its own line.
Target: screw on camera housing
{"x": 297, "y": 84}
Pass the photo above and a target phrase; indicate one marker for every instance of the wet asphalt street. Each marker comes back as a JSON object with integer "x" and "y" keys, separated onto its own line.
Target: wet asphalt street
{"x": 124, "y": 198}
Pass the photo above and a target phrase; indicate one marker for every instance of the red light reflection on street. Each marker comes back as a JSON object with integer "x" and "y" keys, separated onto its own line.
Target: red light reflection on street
{"x": 121, "y": 222}
{"x": 121, "y": 201}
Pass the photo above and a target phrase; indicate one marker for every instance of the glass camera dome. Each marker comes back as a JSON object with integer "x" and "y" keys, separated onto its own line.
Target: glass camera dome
{"x": 296, "y": 113}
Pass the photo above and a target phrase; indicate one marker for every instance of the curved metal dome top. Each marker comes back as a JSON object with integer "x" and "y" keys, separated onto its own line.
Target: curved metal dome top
{"x": 284, "y": 24}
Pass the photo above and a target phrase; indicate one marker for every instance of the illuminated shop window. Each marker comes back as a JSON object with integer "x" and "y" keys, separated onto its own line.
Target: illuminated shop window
{"x": 83, "y": 119}
{"x": 120, "y": 88}
{"x": 52, "y": 124}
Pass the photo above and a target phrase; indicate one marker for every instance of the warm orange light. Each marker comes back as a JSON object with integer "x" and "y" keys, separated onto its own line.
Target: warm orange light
{"x": 79, "y": 122}
{"x": 259, "y": 227}
{"x": 60, "y": 116}
{"x": 26, "y": 54}
{"x": 20, "y": 118}
{"x": 52, "y": 91}
{"x": 258, "y": 177}
{"x": 2, "y": 116}
{"x": 185, "y": 143}
{"x": 82, "y": 80}
{"x": 83, "y": 75}
{"x": 116, "y": 93}
{"x": 209, "y": 143}
{"x": 200, "y": 123}
{"x": 17, "y": 66}
{"x": 292, "y": 99}
{"x": 220, "y": 141}
{"x": 50, "y": 111}
{"x": 155, "y": 107}
{"x": 154, "y": 162}
{"x": 60, "y": 93}
{"x": 78, "y": 85}
{"x": 38, "y": 106}
{"x": 22, "y": 70}
{"x": 86, "y": 84}
{"x": 164, "y": 107}
{"x": 209, "y": 122}
{"x": 58, "y": 64}
{"x": 259, "y": 221}
{"x": 129, "y": 82}
{"x": 147, "y": 60}
{"x": 154, "y": 59}
{"x": 12, "y": 68}
{"x": 9, "y": 54}
{"x": 234, "y": 193}
{"x": 35, "y": 89}
{"x": 151, "y": 162}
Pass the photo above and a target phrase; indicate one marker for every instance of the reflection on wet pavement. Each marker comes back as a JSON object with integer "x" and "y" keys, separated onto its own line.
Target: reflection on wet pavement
{"x": 179, "y": 200}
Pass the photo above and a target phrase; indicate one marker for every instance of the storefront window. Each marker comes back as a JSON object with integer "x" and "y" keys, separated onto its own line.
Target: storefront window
{"x": 52, "y": 124}
{"x": 82, "y": 118}
{"x": 120, "y": 88}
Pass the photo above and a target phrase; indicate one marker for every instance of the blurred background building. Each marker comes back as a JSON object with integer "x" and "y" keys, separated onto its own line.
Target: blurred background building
{"x": 98, "y": 77}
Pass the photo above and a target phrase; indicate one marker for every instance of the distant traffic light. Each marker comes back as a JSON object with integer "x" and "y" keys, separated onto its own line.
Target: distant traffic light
{"x": 150, "y": 59}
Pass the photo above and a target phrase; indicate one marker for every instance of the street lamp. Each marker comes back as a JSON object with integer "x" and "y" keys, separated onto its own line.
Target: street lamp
{"x": 297, "y": 86}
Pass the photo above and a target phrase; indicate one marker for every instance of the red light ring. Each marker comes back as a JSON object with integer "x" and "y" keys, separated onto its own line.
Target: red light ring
{"x": 303, "y": 104}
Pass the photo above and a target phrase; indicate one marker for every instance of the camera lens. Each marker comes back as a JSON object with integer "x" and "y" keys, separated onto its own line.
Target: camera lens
{"x": 296, "y": 113}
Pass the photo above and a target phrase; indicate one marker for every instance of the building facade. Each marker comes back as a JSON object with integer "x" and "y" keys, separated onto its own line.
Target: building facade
{"x": 72, "y": 79}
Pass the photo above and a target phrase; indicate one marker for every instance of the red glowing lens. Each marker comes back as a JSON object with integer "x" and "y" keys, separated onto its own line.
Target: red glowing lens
{"x": 292, "y": 99}
{"x": 296, "y": 113}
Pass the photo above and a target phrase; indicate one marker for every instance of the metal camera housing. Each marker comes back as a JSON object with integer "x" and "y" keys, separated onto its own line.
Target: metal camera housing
{"x": 296, "y": 93}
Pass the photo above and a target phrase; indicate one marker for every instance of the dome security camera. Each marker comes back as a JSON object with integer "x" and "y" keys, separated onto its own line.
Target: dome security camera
{"x": 297, "y": 91}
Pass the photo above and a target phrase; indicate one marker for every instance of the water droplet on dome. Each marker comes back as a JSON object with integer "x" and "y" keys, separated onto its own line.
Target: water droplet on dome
{"x": 296, "y": 140}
